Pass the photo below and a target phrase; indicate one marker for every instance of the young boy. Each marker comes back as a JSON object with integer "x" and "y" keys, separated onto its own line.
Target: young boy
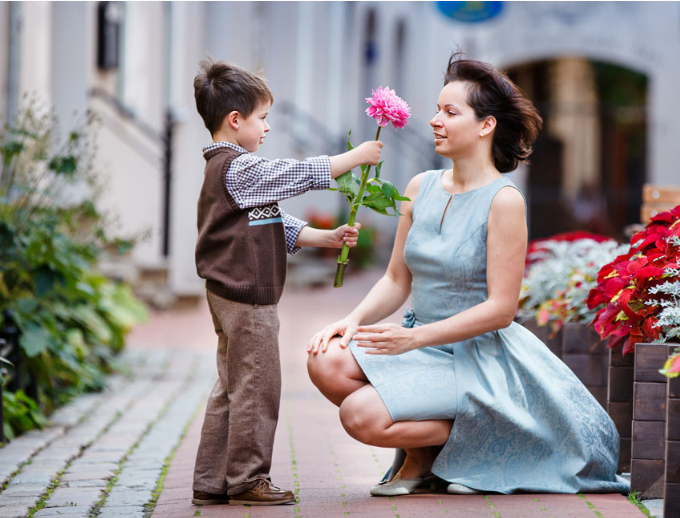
{"x": 243, "y": 236}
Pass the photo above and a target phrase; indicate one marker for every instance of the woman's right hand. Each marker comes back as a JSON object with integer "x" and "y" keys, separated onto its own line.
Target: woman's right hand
{"x": 345, "y": 328}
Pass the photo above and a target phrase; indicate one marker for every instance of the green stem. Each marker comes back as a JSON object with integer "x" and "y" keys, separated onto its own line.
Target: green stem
{"x": 344, "y": 253}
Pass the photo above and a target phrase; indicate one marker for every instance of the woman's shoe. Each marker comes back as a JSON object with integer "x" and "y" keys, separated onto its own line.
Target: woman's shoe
{"x": 397, "y": 486}
{"x": 460, "y": 489}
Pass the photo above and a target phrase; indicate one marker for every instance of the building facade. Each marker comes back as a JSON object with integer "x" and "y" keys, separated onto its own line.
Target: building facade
{"x": 133, "y": 63}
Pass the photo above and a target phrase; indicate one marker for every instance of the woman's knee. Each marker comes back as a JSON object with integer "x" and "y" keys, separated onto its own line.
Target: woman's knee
{"x": 364, "y": 416}
{"x": 325, "y": 366}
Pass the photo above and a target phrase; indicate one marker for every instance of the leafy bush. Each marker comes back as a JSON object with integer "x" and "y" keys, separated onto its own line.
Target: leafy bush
{"x": 627, "y": 311}
{"x": 72, "y": 319}
{"x": 559, "y": 276}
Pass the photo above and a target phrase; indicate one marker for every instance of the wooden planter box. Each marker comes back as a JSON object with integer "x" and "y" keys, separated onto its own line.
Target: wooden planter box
{"x": 588, "y": 357}
{"x": 543, "y": 333}
{"x": 650, "y": 402}
{"x": 620, "y": 401}
{"x": 671, "y": 496}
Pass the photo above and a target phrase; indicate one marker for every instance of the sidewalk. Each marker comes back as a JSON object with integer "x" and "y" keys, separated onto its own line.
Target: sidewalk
{"x": 107, "y": 454}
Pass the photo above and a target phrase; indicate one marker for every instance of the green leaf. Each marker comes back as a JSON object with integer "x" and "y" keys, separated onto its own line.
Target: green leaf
{"x": 124, "y": 246}
{"x": 378, "y": 199}
{"x": 93, "y": 323}
{"x": 46, "y": 280}
{"x": 65, "y": 165}
{"x": 10, "y": 149}
{"x": 346, "y": 182}
{"x": 388, "y": 189}
{"x": 377, "y": 169}
{"x": 34, "y": 340}
{"x": 350, "y": 147}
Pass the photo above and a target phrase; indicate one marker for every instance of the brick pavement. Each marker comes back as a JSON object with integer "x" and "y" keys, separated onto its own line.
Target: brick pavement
{"x": 104, "y": 454}
{"x": 330, "y": 472}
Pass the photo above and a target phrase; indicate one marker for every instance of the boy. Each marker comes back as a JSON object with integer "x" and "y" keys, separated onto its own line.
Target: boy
{"x": 243, "y": 236}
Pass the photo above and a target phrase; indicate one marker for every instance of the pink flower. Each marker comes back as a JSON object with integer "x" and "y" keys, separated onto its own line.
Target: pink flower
{"x": 387, "y": 107}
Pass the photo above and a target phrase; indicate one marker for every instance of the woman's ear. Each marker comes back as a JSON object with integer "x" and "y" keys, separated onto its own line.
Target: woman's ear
{"x": 488, "y": 126}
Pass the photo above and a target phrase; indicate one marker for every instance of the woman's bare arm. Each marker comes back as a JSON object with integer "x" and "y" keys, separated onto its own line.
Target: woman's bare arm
{"x": 388, "y": 294}
{"x": 506, "y": 249}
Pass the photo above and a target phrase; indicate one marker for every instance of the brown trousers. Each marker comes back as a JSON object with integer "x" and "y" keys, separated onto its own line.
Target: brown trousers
{"x": 237, "y": 438}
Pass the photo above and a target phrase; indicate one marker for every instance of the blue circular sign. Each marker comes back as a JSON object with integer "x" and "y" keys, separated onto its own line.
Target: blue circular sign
{"x": 470, "y": 12}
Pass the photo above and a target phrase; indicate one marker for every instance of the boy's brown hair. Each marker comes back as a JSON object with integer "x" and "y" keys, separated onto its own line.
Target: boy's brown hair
{"x": 221, "y": 88}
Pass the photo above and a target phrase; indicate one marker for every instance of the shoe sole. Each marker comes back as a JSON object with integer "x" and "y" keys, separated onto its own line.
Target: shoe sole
{"x": 251, "y": 502}
{"x": 196, "y": 501}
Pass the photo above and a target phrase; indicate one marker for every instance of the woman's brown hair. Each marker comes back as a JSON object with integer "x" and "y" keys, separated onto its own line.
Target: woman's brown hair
{"x": 492, "y": 93}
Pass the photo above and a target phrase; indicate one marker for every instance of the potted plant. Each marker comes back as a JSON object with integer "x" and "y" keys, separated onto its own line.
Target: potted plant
{"x": 560, "y": 274}
{"x": 635, "y": 303}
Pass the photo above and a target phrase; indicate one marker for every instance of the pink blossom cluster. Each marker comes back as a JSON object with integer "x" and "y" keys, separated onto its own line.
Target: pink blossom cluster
{"x": 387, "y": 107}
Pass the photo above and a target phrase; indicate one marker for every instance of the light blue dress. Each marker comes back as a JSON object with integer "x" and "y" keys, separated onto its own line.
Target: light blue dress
{"x": 522, "y": 420}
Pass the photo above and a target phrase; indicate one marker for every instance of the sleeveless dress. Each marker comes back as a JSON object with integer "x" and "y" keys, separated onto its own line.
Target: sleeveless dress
{"x": 522, "y": 420}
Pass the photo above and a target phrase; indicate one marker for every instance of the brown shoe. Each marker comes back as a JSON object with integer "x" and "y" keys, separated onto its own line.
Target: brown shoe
{"x": 201, "y": 498}
{"x": 263, "y": 493}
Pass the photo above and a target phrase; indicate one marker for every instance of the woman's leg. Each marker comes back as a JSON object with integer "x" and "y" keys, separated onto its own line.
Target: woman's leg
{"x": 335, "y": 373}
{"x": 365, "y": 417}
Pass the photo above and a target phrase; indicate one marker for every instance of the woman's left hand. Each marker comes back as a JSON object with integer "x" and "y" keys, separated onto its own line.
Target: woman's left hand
{"x": 390, "y": 339}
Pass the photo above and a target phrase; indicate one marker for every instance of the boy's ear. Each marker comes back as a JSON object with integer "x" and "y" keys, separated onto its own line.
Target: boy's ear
{"x": 233, "y": 119}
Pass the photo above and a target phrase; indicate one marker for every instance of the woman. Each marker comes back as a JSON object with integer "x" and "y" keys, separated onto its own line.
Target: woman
{"x": 471, "y": 397}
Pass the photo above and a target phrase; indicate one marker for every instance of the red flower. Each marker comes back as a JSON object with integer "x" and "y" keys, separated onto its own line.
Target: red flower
{"x": 623, "y": 285}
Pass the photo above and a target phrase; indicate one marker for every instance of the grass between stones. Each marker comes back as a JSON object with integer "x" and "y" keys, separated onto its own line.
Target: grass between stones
{"x": 50, "y": 489}
{"x": 96, "y": 509}
{"x": 634, "y": 498}
{"x": 155, "y": 495}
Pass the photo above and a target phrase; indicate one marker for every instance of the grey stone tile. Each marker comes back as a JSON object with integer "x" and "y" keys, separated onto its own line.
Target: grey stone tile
{"x": 14, "y": 511}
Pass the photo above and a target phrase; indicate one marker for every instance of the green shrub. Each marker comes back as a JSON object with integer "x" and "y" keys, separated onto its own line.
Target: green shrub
{"x": 72, "y": 319}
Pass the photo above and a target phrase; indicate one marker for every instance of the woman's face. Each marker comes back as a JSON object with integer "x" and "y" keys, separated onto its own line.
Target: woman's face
{"x": 455, "y": 125}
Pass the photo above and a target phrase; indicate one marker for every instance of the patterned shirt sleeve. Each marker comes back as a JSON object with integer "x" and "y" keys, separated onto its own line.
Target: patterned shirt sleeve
{"x": 253, "y": 181}
{"x": 293, "y": 228}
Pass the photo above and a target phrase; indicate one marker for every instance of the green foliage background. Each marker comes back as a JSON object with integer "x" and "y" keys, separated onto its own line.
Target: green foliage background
{"x": 72, "y": 319}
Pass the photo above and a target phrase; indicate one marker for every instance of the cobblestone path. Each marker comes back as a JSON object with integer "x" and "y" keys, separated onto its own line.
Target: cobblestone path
{"x": 121, "y": 452}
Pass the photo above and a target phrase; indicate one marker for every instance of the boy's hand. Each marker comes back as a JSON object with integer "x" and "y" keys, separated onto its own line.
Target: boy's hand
{"x": 369, "y": 152}
{"x": 345, "y": 234}
{"x": 366, "y": 153}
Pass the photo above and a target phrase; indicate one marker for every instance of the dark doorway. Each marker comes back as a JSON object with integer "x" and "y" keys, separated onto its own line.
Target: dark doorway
{"x": 589, "y": 163}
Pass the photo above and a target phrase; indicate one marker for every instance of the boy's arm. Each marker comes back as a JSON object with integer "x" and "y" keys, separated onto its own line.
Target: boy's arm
{"x": 293, "y": 228}
{"x": 254, "y": 181}
{"x": 329, "y": 238}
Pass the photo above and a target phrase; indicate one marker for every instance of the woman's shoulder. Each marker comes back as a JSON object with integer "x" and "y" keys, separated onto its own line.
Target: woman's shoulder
{"x": 427, "y": 177}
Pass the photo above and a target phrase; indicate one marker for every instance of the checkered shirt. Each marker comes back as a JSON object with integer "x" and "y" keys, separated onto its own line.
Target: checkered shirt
{"x": 254, "y": 181}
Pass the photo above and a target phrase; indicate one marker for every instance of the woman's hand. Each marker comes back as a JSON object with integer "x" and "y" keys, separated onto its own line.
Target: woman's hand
{"x": 345, "y": 328}
{"x": 390, "y": 339}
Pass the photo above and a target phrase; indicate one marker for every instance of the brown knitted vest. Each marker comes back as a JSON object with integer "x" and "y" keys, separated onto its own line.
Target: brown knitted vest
{"x": 241, "y": 253}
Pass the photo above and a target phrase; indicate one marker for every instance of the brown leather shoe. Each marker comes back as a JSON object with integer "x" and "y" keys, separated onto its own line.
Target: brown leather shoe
{"x": 263, "y": 493}
{"x": 201, "y": 498}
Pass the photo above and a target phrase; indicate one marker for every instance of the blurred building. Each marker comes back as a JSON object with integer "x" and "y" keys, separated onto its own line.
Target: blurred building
{"x": 603, "y": 74}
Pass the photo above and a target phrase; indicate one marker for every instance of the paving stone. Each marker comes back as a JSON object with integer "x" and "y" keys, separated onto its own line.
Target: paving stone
{"x": 33, "y": 478}
{"x": 101, "y": 483}
{"x": 118, "y": 512}
{"x": 71, "y": 512}
{"x": 14, "y": 511}
{"x": 23, "y": 489}
{"x": 73, "y": 497}
{"x": 123, "y": 497}
{"x": 82, "y": 475}
{"x": 104, "y": 466}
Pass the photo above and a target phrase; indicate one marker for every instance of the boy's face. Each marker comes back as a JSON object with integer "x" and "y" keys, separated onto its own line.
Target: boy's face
{"x": 252, "y": 129}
